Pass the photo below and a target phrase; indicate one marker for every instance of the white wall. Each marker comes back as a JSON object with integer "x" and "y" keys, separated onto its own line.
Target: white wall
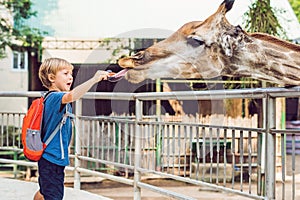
{"x": 11, "y": 80}
{"x": 101, "y": 52}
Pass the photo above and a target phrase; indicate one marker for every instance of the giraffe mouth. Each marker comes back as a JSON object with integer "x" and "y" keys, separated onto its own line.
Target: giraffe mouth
{"x": 118, "y": 76}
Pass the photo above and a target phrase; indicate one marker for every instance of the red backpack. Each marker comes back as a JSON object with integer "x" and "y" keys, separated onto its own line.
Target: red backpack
{"x": 33, "y": 147}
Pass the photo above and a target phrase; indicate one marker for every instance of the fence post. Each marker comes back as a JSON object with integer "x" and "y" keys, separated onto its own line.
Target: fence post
{"x": 158, "y": 128}
{"x": 270, "y": 147}
{"x": 137, "y": 148}
{"x": 78, "y": 110}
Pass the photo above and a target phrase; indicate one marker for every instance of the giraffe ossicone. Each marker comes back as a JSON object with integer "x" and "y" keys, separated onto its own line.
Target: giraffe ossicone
{"x": 213, "y": 47}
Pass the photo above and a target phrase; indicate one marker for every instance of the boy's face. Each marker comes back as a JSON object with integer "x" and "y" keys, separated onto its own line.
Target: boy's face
{"x": 63, "y": 79}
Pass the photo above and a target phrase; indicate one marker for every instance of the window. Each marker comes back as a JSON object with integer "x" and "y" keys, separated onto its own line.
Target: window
{"x": 20, "y": 60}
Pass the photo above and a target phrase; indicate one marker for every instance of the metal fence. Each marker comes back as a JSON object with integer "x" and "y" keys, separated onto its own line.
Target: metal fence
{"x": 251, "y": 162}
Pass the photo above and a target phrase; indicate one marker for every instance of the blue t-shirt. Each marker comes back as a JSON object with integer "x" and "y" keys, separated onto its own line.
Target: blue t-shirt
{"x": 53, "y": 114}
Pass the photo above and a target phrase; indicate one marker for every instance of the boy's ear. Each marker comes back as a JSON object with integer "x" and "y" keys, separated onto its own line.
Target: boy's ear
{"x": 51, "y": 77}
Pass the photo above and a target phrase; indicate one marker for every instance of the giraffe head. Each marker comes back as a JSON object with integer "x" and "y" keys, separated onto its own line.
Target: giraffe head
{"x": 213, "y": 47}
{"x": 191, "y": 52}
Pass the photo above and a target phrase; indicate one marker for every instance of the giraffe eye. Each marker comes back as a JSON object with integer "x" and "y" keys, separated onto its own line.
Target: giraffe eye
{"x": 138, "y": 55}
{"x": 194, "y": 41}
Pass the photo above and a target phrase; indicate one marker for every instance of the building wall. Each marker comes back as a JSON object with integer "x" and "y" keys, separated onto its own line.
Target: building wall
{"x": 12, "y": 80}
{"x": 78, "y": 50}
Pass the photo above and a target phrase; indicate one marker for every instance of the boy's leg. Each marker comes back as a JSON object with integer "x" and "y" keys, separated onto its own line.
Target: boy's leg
{"x": 38, "y": 196}
{"x": 51, "y": 180}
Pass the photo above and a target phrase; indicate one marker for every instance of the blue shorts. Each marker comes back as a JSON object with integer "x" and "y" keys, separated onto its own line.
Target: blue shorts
{"x": 51, "y": 180}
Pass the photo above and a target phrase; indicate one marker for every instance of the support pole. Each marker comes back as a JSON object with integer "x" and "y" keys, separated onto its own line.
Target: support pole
{"x": 270, "y": 147}
{"x": 137, "y": 157}
{"x": 78, "y": 112}
{"x": 158, "y": 128}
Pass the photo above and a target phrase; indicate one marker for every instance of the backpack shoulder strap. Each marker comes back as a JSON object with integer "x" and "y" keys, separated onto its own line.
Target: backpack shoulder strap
{"x": 62, "y": 122}
{"x": 47, "y": 94}
{"x": 53, "y": 134}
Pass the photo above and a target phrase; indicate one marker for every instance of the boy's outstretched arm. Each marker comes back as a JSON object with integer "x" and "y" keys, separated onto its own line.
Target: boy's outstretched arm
{"x": 81, "y": 89}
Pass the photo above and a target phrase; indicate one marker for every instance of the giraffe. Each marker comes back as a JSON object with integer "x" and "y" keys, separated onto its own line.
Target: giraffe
{"x": 212, "y": 48}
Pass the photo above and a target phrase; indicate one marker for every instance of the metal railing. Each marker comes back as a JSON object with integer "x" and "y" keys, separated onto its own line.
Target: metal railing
{"x": 234, "y": 159}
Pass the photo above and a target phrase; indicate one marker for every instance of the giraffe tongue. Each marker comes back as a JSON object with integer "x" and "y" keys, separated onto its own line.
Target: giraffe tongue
{"x": 118, "y": 76}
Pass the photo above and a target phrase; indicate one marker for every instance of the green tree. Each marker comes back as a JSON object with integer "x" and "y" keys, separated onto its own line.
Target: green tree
{"x": 261, "y": 17}
{"x": 26, "y": 36}
{"x": 296, "y": 7}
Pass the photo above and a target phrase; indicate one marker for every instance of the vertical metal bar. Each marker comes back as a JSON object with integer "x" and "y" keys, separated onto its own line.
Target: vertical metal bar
{"x": 158, "y": 131}
{"x": 126, "y": 146}
{"x": 88, "y": 138}
{"x": 158, "y": 145}
{"x": 7, "y": 131}
{"x": 108, "y": 144}
{"x": 131, "y": 144}
{"x": 14, "y": 128}
{"x": 148, "y": 146}
{"x": 102, "y": 140}
{"x": 83, "y": 141}
{"x": 168, "y": 147}
{"x": 211, "y": 154}
{"x": 259, "y": 163}
{"x": 163, "y": 146}
{"x": 203, "y": 153}
{"x": 78, "y": 112}
{"x": 98, "y": 142}
{"x": 198, "y": 153}
{"x": 250, "y": 159}
{"x": 184, "y": 149}
{"x": 270, "y": 147}
{"x": 93, "y": 138}
{"x": 283, "y": 165}
{"x": 179, "y": 149}
{"x": 119, "y": 136}
{"x": 233, "y": 158}
{"x": 153, "y": 146}
{"x": 218, "y": 154}
{"x": 189, "y": 133}
{"x": 241, "y": 158}
{"x": 137, "y": 157}
{"x": 263, "y": 151}
{"x": 19, "y": 131}
{"x": 2, "y": 130}
{"x": 293, "y": 166}
{"x": 173, "y": 149}
{"x": 225, "y": 157}
{"x": 114, "y": 141}
{"x": 144, "y": 148}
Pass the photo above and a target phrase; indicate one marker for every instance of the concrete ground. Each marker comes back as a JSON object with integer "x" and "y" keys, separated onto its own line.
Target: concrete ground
{"x": 102, "y": 189}
{"x": 13, "y": 189}
{"x": 119, "y": 191}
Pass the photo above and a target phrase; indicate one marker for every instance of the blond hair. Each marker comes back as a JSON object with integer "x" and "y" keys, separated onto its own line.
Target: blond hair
{"x": 52, "y": 66}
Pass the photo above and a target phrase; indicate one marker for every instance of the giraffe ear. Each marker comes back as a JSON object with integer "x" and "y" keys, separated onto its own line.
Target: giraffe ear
{"x": 232, "y": 40}
{"x": 227, "y": 44}
{"x": 225, "y": 6}
{"x": 228, "y": 4}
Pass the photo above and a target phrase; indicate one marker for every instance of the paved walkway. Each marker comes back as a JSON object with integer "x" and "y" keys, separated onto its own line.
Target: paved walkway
{"x": 12, "y": 189}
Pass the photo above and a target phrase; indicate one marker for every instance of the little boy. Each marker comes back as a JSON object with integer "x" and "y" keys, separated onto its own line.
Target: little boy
{"x": 56, "y": 75}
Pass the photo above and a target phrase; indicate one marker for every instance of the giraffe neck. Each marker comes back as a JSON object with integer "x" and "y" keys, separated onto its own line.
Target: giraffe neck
{"x": 265, "y": 58}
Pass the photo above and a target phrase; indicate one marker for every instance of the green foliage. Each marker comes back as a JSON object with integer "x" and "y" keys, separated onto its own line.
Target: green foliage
{"x": 296, "y": 7}
{"x": 261, "y": 17}
{"x": 28, "y": 36}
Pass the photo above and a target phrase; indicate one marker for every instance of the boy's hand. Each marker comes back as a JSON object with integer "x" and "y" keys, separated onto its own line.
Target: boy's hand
{"x": 101, "y": 75}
